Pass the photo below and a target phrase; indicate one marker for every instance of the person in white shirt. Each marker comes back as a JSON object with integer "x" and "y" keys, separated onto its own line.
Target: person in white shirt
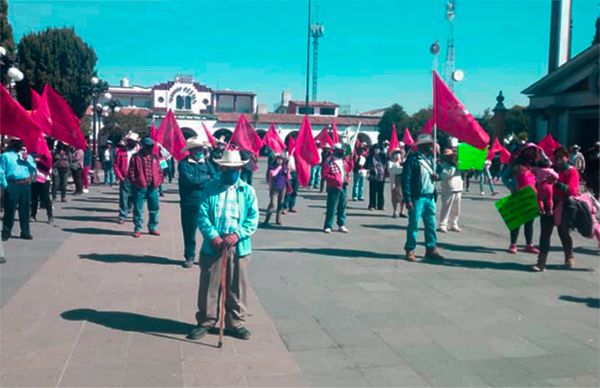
{"x": 395, "y": 170}
{"x": 452, "y": 187}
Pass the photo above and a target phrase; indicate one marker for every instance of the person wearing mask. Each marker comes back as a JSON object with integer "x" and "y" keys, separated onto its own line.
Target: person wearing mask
{"x": 145, "y": 176}
{"x": 125, "y": 151}
{"x": 336, "y": 175}
{"x": 279, "y": 177}
{"x": 394, "y": 171}
{"x": 451, "y": 190}
{"x": 40, "y": 189}
{"x": 228, "y": 219}
{"x": 60, "y": 172}
{"x": 77, "y": 170}
{"x": 376, "y": 164}
{"x": 359, "y": 173}
{"x": 418, "y": 188}
{"x": 108, "y": 164}
{"x": 195, "y": 173}
{"x": 17, "y": 170}
{"x": 567, "y": 186}
{"x": 87, "y": 167}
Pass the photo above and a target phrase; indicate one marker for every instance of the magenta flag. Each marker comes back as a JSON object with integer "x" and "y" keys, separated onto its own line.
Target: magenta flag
{"x": 548, "y": 144}
{"x": 273, "y": 141}
{"x": 394, "y": 139}
{"x": 209, "y": 136}
{"x": 245, "y": 137}
{"x": 499, "y": 148}
{"x": 335, "y": 137}
{"x": 306, "y": 153}
{"x": 40, "y": 113}
{"x": 291, "y": 145}
{"x": 407, "y": 138}
{"x": 169, "y": 135}
{"x": 65, "y": 124}
{"x": 428, "y": 127}
{"x": 451, "y": 116}
{"x": 324, "y": 138}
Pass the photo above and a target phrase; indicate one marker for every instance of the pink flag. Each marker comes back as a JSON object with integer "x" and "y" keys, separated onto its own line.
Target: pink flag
{"x": 499, "y": 148}
{"x": 451, "y": 116}
{"x": 169, "y": 135}
{"x": 273, "y": 141}
{"x": 153, "y": 134}
{"x": 324, "y": 138}
{"x": 335, "y": 137}
{"x": 548, "y": 144}
{"x": 40, "y": 113}
{"x": 65, "y": 124}
{"x": 394, "y": 139}
{"x": 246, "y": 137}
{"x": 407, "y": 138}
{"x": 291, "y": 145}
{"x": 209, "y": 136}
{"x": 305, "y": 152}
{"x": 428, "y": 127}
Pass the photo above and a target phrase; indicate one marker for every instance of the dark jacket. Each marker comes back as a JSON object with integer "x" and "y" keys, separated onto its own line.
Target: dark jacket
{"x": 411, "y": 177}
{"x": 193, "y": 177}
{"x": 137, "y": 175}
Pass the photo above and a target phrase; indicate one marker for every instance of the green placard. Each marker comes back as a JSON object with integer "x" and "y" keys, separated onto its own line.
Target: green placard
{"x": 471, "y": 158}
{"x": 518, "y": 208}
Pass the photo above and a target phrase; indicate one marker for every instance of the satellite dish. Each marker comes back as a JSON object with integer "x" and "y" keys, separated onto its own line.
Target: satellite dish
{"x": 458, "y": 75}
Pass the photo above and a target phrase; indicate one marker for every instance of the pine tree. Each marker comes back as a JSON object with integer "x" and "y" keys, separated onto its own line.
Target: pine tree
{"x": 56, "y": 56}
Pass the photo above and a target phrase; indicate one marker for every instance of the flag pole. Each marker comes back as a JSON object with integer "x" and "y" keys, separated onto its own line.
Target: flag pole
{"x": 434, "y": 124}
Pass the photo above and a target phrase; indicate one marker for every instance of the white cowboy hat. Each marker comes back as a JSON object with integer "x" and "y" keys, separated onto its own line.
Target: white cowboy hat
{"x": 194, "y": 142}
{"x": 132, "y": 136}
{"x": 424, "y": 138}
{"x": 231, "y": 158}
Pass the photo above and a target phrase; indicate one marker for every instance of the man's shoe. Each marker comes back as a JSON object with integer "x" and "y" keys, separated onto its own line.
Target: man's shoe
{"x": 482, "y": 193}
{"x": 188, "y": 263}
{"x": 455, "y": 229}
{"x": 538, "y": 268}
{"x": 239, "y": 333}
{"x": 33, "y": 219}
{"x": 63, "y": 200}
{"x": 529, "y": 248}
{"x": 136, "y": 234}
{"x": 569, "y": 263}
{"x": 433, "y": 254}
{"x": 155, "y": 232}
{"x": 121, "y": 221}
{"x": 343, "y": 229}
{"x": 443, "y": 229}
{"x": 26, "y": 236}
{"x": 293, "y": 211}
{"x": 402, "y": 215}
{"x": 327, "y": 230}
{"x": 2, "y": 260}
{"x": 161, "y": 194}
{"x": 5, "y": 237}
{"x": 50, "y": 220}
{"x": 197, "y": 333}
{"x": 411, "y": 256}
{"x": 283, "y": 212}
{"x": 512, "y": 249}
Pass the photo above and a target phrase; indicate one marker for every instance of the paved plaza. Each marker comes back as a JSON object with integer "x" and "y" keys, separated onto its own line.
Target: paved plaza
{"x": 84, "y": 304}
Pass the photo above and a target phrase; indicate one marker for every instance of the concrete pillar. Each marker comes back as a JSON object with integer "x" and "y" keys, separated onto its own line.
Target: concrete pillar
{"x": 499, "y": 119}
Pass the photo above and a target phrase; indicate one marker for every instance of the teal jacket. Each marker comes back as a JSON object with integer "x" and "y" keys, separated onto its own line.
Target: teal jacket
{"x": 248, "y": 223}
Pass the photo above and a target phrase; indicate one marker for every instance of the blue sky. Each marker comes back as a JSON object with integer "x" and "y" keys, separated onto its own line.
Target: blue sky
{"x": 374, "y": 53}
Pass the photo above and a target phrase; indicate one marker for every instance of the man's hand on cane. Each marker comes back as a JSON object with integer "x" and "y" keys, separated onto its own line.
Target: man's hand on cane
{"x": 230, "y": 240}
{"x": 217, "y": 244}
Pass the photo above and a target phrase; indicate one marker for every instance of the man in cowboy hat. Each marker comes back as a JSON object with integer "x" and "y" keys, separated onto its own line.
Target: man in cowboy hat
{"x": 336, "y": 173}
{"x": 217, "y": 152}
{"x": 127, "y": 148}
{"x": 145, "y": 176}
{"x": 194, "y": 175}
{"x": 228, "y": 218}
{"x": 418, "y": 189}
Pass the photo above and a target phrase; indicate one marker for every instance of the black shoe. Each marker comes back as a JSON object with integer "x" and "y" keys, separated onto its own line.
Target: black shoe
{"x": 33, "y": 219}
{"x": 240, "y": 333}
{"x": 63, "y": 200}
{"x": 161, "y": 194}
{"x": 2, "y": 260}
{"x": 188, "y": 263}
{"x": 5, "y": 237}
{"x": 26, "y": 236}
{"x": 197, "y": 333}
{"x": 50, "y": 220}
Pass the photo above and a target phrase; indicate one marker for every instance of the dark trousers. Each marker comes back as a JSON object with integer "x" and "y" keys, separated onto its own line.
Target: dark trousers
{"x": 290, "y": 198}
{"x": 514, "y": 234}
{"x": 40, "y": 194}
{"x": 336, "y": 204}
{"x": 140, "y": 197}
{"x": 376, "y": 194}
{"x": 189, "y": 224}
{"x": 78, "y": 180}
{"x": 547, "y": 227}
{"x": 247, "y": 176}
{"x": 59, "y": 181}
{"x": 16, "y": 196}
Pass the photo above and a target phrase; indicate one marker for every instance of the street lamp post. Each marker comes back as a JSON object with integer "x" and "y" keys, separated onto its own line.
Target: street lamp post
{"x": 15, "y": 76}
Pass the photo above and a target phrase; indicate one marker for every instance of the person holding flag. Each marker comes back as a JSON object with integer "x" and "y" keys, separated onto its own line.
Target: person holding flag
{"x": 418, "y": 188}
{"x": 359, "y": 172}
{"x": 336, "y": 174}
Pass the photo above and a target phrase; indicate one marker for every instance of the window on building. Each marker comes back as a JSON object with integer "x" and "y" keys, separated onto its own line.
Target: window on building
{"x": 179, "y": 102}
{"x": 302, "y": 110}
{"x": 328, "y": 111}
{"x": 188, "y": 102}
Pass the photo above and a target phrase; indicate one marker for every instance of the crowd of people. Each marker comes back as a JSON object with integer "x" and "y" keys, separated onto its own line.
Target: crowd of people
{"x": 217, "y": 197}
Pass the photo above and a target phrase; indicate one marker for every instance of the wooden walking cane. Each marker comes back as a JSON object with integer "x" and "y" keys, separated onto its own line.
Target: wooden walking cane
{"x": 224, "y": 261}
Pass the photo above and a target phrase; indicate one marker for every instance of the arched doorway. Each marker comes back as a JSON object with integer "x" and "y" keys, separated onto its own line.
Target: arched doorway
{"x": 188, "y": 132}
{"x": 224, "y": 133}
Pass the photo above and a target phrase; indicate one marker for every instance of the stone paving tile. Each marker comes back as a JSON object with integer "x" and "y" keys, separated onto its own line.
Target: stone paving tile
{"x": 94, "y": 375}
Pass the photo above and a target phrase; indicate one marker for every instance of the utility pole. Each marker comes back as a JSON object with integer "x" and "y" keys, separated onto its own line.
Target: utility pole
{"x": 317, "y": 31}
{"x": 306, "y": 102}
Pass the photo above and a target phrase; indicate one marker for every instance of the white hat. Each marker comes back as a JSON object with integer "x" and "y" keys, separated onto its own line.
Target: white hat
{"x": 337, "y": 146}
{"x": 424, "y": 138}
{"x": 132, "y": 136}
{"x": 194, "y": 142}
{"x": 231, "y": 158}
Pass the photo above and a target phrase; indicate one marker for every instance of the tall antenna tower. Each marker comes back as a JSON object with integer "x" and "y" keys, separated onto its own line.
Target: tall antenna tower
{"x": 450, "y": 60}
{"x": 317, "y": 30}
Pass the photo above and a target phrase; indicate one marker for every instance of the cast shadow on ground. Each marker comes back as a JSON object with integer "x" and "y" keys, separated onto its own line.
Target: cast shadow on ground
{"x": 288, "y": 228}
{"x": 125, "y": 321}
{"x": 370, "y": 214}
{"x": 335, "y": 252}
{"x": 590, "y": 302}
{"x": 124, "y": 258}
{"x": 586, "y": 251}
{"x": 97, "y": 231}
{"x": 386, "y": 226}
{"x": 484, "y": 199}
{"x": 313, "y": 197}
{"x": 93, "y": 218}
{"x": 499, "y": 266}
{"x": 97, "y": 199}
{"x": 90, "y": 209}
{"x": 469, "y": 248}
